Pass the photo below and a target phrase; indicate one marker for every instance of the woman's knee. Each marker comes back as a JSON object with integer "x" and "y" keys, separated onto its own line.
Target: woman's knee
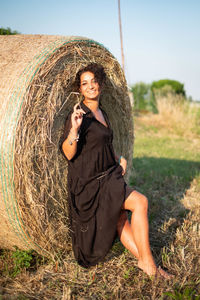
{"x": 136, "y": 201}
{"x": 143, "y": 203}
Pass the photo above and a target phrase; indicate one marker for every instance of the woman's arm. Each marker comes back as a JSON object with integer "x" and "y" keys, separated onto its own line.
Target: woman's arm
{"x": 69, "y": 145}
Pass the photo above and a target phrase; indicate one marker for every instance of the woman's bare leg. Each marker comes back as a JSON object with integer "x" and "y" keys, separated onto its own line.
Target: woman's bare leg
{"x": 135, "y": 237}
{"x": 126, "y": 235}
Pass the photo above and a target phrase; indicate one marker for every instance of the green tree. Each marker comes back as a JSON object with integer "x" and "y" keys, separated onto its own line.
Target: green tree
{"x": 143, "y": 97}
{"x": 8, "y": 31}
{"x": 176, "y": 86}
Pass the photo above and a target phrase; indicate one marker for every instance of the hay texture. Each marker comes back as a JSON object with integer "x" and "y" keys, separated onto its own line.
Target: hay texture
{"x": 36, "y": 93}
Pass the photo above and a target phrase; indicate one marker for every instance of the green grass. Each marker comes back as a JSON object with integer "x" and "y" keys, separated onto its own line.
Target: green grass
{"x": 165, "y": 162}
{"x": 14, "y": 262}
{"x": 165, "y": 146}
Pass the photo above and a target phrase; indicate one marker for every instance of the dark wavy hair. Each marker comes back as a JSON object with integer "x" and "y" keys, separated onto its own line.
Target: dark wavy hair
{"x": 94, "y": 68}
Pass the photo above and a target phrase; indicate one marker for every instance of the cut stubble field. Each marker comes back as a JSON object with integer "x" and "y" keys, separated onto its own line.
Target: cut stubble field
{"x": 166, "y": 168}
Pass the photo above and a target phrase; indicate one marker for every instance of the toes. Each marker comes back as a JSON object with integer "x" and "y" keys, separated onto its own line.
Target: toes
{"x": 164, "y": 274}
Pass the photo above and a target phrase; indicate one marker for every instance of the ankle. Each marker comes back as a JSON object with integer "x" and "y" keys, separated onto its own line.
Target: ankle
{"x": 147, "y": 259}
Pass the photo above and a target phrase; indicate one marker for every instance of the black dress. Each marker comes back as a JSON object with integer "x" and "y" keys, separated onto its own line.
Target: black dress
{"x": 96, "y": 188}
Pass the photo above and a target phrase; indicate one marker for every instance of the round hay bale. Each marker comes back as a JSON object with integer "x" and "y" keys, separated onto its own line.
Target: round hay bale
{"x": 36, "y": 93}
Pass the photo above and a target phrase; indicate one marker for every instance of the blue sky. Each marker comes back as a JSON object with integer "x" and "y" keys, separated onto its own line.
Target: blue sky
{"x": 161, "y": 38}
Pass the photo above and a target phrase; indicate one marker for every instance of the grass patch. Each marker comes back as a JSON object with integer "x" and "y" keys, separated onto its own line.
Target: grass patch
{"x": 15, "y": 262}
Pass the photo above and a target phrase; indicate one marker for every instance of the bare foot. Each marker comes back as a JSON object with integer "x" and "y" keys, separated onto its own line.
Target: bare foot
{"x": 152, "y": 270}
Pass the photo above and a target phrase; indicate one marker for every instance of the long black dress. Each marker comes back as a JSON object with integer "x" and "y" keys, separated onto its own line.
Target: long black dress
{"x": 96, "y": 188}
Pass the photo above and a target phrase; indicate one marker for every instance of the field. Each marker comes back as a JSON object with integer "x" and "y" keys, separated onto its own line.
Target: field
{"x": 166, "y": 168}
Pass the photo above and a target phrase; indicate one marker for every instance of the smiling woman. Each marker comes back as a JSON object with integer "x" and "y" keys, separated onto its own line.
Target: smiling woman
{"x": 37, "y": 90}
{"x": 95, "y": 178}
{"x": 98, "y": 194}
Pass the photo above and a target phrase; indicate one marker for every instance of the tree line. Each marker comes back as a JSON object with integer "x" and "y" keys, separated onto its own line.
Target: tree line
{"x": 145, "y": 95}
{"x": 8, "y": 31}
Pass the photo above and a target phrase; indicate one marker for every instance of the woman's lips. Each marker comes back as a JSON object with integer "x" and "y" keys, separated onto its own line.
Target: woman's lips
{"x": 91, "y": 92}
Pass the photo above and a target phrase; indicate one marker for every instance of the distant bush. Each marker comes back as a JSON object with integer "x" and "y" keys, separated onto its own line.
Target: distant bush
{"x": 7, "y": 31}
{"x": 176, "y": 86}
{"x": 146, "y": 95}
{"x": 167, "y": 92}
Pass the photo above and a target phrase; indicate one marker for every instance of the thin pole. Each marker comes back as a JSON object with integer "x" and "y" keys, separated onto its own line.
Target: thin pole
{"x": 121, "y": 39}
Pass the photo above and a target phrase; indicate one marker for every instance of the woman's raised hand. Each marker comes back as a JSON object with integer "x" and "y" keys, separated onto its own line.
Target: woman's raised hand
{"x": 77, "y": 116}
{"x": 69, "y": 145}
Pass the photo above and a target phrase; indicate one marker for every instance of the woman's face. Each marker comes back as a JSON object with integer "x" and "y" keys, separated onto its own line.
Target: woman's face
{"x": 89, "y": 86}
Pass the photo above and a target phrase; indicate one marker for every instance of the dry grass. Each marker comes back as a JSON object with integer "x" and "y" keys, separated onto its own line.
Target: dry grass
{"x": 118, "y": 277}
{"x": 175, "y": 240}
{"x": 176, "y": 115}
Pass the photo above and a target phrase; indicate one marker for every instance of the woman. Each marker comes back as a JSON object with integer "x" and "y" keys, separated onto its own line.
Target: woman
{"x": 98, "y": 194}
